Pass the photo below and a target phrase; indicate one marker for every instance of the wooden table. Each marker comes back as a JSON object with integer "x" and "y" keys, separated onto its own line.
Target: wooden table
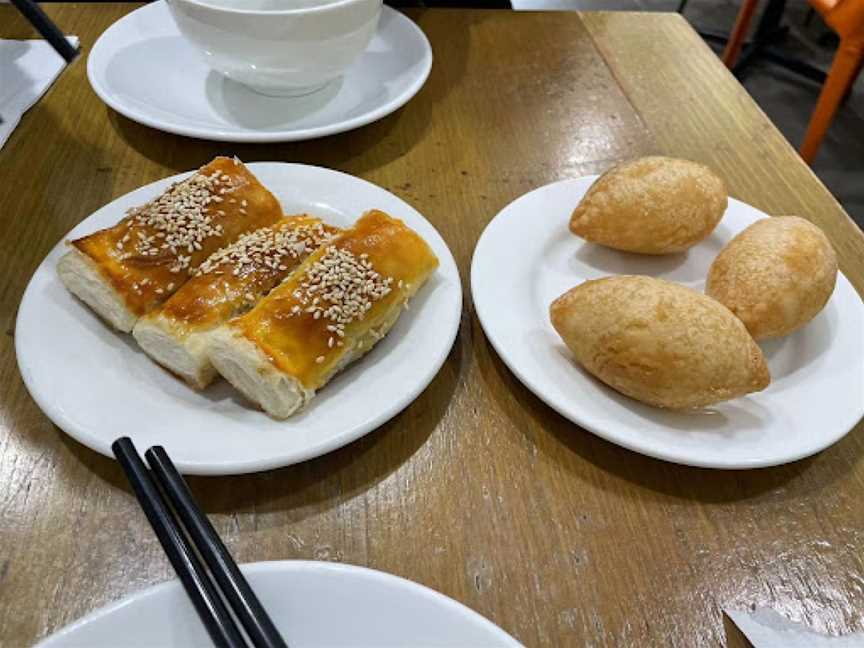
{"x": 477, "y": 489}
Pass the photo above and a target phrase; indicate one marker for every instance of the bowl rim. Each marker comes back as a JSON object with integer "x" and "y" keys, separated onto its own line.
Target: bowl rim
{"x": 331, "y": 5}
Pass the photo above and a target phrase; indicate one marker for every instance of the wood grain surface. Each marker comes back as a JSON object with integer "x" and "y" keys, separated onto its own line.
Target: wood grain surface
{"x": 477, "y": 489}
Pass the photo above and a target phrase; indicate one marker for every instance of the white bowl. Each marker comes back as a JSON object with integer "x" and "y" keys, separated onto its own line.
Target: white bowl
{"x": 278, "y": 51}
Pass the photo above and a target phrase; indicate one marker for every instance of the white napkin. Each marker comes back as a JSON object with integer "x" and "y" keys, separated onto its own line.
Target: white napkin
{"x": 27, "y": 70}
{"x": 765, "y": 628}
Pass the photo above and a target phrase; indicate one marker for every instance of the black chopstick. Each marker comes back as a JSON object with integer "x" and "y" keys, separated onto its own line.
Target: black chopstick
{"x": 46, "y": 27}
{"x": 233, "y": 584}
{"x": 200, "y": 589}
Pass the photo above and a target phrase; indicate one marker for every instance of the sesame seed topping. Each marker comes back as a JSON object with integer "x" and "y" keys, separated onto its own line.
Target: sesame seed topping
{"x": 319, "y": 359}
{"x": 340, "y": 288}
{"x": 266, "y": 248}
{"x": 179, "y": 218}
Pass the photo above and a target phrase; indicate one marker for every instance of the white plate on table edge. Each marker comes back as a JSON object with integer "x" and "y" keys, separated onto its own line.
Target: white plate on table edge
{"x": 96, "y": 384}
{"x": 817, "y": 390}
{"x": 192, "y": 100}
{"x": 311, "y": 603}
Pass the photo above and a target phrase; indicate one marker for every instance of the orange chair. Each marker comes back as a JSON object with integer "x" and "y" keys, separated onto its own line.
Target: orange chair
{"x": 846, "y": 17}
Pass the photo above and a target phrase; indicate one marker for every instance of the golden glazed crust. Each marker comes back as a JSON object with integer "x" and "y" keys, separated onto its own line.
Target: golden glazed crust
{"x": 651, "y": 205}
{"x": 658, "y": 342}
{"x": 219, "y": 203}
{"x": 307, "y": 346}
{"x": 775, "y": 276}
{"x": 232, "y": 280}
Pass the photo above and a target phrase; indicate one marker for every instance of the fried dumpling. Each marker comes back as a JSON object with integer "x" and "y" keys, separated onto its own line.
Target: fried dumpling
{"x": 658, "y": 342}
{"x": 775, "y": 276}
{"x": 651, "y": 205}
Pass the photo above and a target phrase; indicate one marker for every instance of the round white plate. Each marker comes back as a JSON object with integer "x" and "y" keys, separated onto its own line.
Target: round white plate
{"x": 97, "y": 385}
{"x": 133, "y": 67}
{"x": 313, "y": 604}
{"x": 527, "y": 257}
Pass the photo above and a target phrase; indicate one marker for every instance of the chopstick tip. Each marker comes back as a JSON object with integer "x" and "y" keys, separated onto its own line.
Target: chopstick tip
{"x": 122, "y": 445}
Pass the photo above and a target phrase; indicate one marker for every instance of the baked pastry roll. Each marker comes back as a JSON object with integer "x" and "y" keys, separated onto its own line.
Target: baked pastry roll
{"x": 660, "y": 343}
{"x": 332, "y": 310}
{"x": 651, "y": 205}
{"x": 775, "y": 276}
{"x": 125, "y": 271}
{"x": 226, "y": 285}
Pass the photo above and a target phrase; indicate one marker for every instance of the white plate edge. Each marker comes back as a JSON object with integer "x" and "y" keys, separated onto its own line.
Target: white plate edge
{"x": 843, "y": 283}
{"x": 251, "y": 466}
{"x": 286, "y": 567}
{"x": 266, "y": 137}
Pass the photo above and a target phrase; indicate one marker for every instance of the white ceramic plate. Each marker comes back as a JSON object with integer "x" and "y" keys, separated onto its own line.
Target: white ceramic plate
{"x": 313, "y": 604}
{"x": 97, "y": 385}
{"x": 133, "y": 67}
{"x": 527, "y": 257}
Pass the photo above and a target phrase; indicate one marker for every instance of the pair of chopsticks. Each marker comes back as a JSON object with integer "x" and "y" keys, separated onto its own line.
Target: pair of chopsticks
{"x": 46, "y": 27}
{"x": 158, "y": 491}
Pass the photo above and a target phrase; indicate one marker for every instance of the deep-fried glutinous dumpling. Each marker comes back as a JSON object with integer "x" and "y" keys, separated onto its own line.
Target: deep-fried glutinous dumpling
{"x": 651, "y": 205}
{"x": 660, "y": 343}
{"x": 775, "y": 276}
